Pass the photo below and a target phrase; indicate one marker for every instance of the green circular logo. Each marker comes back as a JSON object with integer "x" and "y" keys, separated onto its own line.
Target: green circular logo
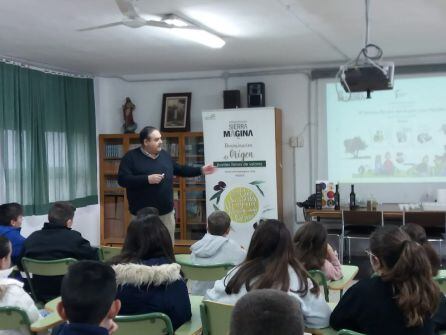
{"x": 242, "y": 204}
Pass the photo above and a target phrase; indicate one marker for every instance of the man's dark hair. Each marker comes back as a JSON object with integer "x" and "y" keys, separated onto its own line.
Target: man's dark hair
{"x": 145, "y": 133}
{"x": 265, "y": 312}
{"x": 10, "y": 211}
{"x": 147, "y": 211}
{"x": 60, "y": 212}
{"x": 218, "y": 223}
{"x": 88, "y": 290}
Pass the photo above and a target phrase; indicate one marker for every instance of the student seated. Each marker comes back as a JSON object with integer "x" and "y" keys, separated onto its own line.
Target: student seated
{"x": 266, "y": 312}
{"x": 215, "y": 248}
{"x": 312, "y": 249}
{"x": 11, "y": 217}
{"x": 418, "y": 234}
{"x": 56, "y": 240}
{"x": 271, "y": 263}
{"x": 148, "y": 278}
{"x": 11, "y": 290}
{"x": 401, "y": 299}
{"x": 88, "y": 300}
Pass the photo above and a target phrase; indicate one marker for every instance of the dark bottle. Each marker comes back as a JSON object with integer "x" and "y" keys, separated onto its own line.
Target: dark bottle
{"x": 352, "y": 198}
{"x": 337, "y": 200}
{"x": 318, "y": 200}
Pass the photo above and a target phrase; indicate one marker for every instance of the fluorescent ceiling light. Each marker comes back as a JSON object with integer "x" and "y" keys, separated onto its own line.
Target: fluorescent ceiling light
{"x": 186, "y": 29}
{"x": 200, "y": 36}
{"x": 175, "y": 21}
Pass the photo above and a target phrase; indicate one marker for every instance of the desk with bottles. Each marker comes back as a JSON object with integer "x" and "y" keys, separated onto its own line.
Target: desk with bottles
{"x": 391, "y": 212}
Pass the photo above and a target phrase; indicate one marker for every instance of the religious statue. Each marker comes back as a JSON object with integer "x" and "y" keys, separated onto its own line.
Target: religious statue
{"x": 129, "y": 125}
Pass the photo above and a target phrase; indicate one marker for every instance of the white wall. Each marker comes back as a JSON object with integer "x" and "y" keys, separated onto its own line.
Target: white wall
{"x": 286, "y": 91}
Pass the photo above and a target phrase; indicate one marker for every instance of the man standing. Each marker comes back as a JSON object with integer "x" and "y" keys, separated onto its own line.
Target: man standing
{"x": 147, "y": 174}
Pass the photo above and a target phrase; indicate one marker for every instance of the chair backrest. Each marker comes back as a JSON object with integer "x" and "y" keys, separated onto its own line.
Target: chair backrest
{"x": 440, "y": 278}
{"x": 13, "y": 318}
{"x": 320, "y": 278}
{"x": 150, "y": 324}
{"x": 56, "y": 267}
{"x": 362, "y": 218}
{"x": 348, "y": 332}
{"x": 106, "y": 253}
{"x": 201, "y": 272}
{"x": 425, "y": 219}
{"x": 215, "y": 317}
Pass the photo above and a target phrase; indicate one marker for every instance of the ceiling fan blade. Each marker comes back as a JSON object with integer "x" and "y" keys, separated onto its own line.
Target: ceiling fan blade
{"x": 128, "y": 8}
{"x": 101, "y": 26}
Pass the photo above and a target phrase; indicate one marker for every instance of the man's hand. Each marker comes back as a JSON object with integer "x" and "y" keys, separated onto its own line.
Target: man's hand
{"x": 155, "y": 178}
{"x": 208, "y": 169}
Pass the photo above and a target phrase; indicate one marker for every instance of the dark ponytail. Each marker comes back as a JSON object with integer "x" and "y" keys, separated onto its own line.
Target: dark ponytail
{"x": 418, "y": 234}
{"x": 408, "y": 268}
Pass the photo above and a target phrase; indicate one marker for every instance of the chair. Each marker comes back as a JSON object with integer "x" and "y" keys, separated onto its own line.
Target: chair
{"x": 359, "y": 225}
{"x": 440, "y": 278}
{"x": 56, "y": 267}
{"x": 150, "y": 323}
{"x": 201, "y": 272}
{"x": 106, "y": 252}
{"x": 13, "y": 318}
{"x": 434, "y": 223}
{"x": 348, "y": 332}
{"x": 215, "y": 317}
{"x": 320, "y": 278}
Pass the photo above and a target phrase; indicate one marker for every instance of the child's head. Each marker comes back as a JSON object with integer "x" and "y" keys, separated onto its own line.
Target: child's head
{"x": 11, "y": 214}
{"x": 265, "y": 312}
{"x": 310, "y": 243}
{"x": 270, "y": 253}
{"x": 5, "y": 253}
{"x": 61, "y": 213}
{"x": 219, "y": 223}
{"x": 404, "y": 263}
{"x": 88, "y": 293}
{"x": 147, "y": 211}
{"x": 146, "y": 238}
{"x": 418, "y": 234}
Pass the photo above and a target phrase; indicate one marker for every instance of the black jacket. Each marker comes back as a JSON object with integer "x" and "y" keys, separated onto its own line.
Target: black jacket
{"x": 54, "y": 242}
{"x": 369, "y": 307}
{"x": 133, "y": 174}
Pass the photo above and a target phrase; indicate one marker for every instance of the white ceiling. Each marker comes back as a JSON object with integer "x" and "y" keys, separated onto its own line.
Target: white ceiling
{"x": 258, "y": 34}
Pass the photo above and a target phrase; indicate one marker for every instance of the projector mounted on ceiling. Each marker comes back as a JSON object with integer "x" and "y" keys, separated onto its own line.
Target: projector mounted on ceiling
{"x": 367, "y": 72}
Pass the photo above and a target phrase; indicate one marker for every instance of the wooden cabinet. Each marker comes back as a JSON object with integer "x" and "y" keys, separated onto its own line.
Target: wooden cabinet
{"x": 189, "y": 193}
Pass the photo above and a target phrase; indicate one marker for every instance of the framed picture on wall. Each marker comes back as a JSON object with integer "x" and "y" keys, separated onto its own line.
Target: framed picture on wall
{"x": 176, "y": 112}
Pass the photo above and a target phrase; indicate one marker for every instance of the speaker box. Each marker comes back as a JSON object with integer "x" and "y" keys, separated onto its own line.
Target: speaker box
{"x": 231, "y": 99}
{"x": 256, "y": 94}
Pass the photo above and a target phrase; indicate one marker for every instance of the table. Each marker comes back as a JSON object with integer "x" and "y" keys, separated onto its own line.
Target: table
{"x": 348, "y": 274}
{"x": 390, "y": 211}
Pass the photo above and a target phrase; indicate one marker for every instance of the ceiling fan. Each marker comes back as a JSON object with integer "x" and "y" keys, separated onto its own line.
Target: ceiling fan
{"x": 132, "y": 19}
{"x": 184, "y": 27}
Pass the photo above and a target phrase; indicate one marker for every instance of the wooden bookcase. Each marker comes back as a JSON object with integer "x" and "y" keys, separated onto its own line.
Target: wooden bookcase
{"x": 189, "y": 193}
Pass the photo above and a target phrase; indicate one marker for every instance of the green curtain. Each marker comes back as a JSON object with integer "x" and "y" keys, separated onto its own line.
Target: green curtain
{"x": 47, "y": 139}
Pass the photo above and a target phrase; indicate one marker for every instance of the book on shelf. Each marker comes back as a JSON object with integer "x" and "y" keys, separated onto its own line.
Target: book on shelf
{"x": 113, "y": 151}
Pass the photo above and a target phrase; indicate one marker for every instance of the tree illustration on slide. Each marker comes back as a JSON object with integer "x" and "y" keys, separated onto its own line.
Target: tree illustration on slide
{"x": 354, "y": 145}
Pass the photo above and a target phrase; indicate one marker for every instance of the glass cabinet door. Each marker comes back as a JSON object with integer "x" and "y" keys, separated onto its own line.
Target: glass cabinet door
{"x": 195, "y": 197}
{"x": 113, "y": 201}
{"x": 171, "y": 144}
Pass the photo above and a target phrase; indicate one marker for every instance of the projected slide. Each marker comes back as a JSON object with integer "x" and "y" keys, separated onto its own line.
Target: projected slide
{"x": 396, "y": 136}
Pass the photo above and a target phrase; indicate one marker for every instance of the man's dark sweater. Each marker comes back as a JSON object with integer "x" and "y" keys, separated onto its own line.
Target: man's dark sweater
{"x": 133, "y": 174}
